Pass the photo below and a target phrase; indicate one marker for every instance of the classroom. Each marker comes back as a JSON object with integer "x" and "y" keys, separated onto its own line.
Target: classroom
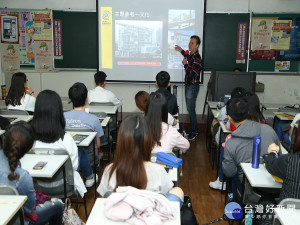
{"x": 275, "y": 87}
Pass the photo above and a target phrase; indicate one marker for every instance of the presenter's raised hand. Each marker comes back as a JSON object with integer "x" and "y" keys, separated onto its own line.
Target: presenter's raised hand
{"x": 178, "y": 48}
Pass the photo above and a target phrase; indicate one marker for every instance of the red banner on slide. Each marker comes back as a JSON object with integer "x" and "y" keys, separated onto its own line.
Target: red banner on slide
{"x": 138, "y": 63}
{"x": 241, "y": 43}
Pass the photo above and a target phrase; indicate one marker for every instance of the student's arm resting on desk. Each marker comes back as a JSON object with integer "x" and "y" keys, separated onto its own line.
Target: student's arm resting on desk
{"x": 276, "y": 165}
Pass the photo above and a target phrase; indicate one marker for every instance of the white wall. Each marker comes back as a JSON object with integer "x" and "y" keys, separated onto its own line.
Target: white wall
{"x": 278, "y": 88}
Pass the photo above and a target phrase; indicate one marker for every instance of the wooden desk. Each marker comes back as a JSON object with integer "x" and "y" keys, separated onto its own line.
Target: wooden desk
{"x": 25, "y": 118}
{"x": 259, "y": 177}
{"x": 287, "y": 216}
{"x": 97, "y": 215}
{"x": 54, "y": 162}
{"x": 9, "y": 206}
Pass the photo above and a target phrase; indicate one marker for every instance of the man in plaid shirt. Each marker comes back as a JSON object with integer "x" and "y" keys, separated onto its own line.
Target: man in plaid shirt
{"x": 193, "y": 66}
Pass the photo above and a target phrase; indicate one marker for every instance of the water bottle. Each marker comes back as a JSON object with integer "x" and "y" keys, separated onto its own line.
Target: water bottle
{"x": 256, "y": 152}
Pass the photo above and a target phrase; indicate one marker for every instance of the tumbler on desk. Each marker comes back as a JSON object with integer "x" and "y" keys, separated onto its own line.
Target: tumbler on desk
{"x": 256, "y": 152}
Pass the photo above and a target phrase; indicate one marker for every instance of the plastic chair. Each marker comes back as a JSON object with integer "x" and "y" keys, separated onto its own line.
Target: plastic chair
{"x": 19, "y": 216}
{"x": 61, "y": 189}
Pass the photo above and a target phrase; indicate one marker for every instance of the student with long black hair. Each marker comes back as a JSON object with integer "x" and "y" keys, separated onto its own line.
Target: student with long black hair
{"x": 18, "y": 140}
{"x": 20, "y": 96}
{"x": 165, "y": 137}
{"x": 49, "y": 131}
{"x": 132, "y": 166}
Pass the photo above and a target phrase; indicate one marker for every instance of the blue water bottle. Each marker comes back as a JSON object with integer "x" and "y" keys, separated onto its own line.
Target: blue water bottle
{"x": 256, "y": 152}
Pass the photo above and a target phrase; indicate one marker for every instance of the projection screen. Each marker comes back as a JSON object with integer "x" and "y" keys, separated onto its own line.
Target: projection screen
{"x": 136, "y": 38}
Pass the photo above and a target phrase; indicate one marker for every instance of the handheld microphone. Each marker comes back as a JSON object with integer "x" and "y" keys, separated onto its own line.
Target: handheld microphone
{"x": 187, "y": 53}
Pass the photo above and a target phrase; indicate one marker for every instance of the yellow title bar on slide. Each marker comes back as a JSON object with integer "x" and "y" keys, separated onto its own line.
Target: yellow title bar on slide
{"x": 106, "y": 37}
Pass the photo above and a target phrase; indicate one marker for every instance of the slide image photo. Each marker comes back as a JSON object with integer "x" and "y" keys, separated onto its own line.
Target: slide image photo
{"x": 181, "y": 38}
{"x": 135, "y": 39}
{"x": 181, "y": 19}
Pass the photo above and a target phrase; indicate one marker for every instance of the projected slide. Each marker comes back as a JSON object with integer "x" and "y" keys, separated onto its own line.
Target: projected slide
{"x": 137, "y": 39}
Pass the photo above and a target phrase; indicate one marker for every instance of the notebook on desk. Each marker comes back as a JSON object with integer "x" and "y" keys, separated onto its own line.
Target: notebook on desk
{"x": 79, "y": 137}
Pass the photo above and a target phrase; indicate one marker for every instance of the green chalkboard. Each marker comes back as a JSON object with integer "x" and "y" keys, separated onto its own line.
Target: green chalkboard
{"x": 221, "y": 40}
{"x": 79, "y": 31}
{"x": 269, "y": 65}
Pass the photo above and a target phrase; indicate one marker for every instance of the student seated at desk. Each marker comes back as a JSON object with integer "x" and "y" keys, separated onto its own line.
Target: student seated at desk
{"x": 99, "y": 94}
{"x": 18, "y": 141}
{"x": 237, "y": 92}
{"x": 286, "y": 167}
{"x": 141, "y": 100}
{"x": 254, "y": 114}
{"x": 78, "y": 118}
{"x": 165, "y": 137}
{"x": 20, "y": 96}
{"x": 132, "y": 166}
{"x": 163, "y": 82}
{"x": 239, "y": 147}
{"x": 48, "y": 125}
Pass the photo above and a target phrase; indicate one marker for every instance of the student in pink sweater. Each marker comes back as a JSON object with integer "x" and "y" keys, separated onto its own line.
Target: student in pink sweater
{"x": 165, "y": 137}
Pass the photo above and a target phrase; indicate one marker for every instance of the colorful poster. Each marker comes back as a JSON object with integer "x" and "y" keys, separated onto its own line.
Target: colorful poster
{"x": 241, "y": 43}
{"x": 24, "y": 17}
{"x": 294, "y": 53}
{"x": 282, "y": 65}
{"x": 10, "y": 57}
{"x": 57, "y": 39}
{"x": 261, "y": 33}
{"x": 9, "y": 28}
{"x": 43, "y": 55}
{"x": 29, "y": 41}
{"x": 42, "y": 25}
{"x": 281, "y": 33}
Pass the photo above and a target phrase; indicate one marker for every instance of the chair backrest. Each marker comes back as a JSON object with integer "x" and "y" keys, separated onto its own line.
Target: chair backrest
{"x": 13, "y": 112}
{"x": 102, "y": 103}
{"x": 54, "y": 186}
{"x": 8, "y": 190}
